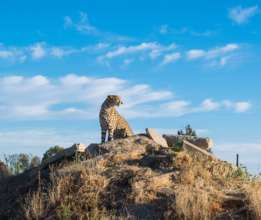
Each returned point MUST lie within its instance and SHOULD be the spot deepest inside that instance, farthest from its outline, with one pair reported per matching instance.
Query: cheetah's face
(114, 100)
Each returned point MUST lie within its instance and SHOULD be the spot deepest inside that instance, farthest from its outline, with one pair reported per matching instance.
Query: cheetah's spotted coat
(112, 121)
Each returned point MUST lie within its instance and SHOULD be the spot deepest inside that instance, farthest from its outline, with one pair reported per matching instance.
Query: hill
(132, 178)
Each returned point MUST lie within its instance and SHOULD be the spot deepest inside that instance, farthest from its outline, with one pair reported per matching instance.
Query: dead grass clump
(253, 194)
(187, 176)
(74, 196)
(192, 170)
(193, 203)
(183, 160)
(34, 206)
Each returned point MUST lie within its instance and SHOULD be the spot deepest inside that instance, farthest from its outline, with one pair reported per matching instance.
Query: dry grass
(193, 188)
(195, 204)
(253, 194)
(202, 186)
(73, 195)
(34, 206)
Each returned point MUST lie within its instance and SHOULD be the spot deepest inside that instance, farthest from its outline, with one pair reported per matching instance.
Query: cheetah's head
(114, 100)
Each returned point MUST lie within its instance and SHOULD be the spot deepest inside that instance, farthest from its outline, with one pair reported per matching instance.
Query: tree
(35, 162)
(23, 161)
(11, 163)
(18, 163)
(51, 152)
(188, 131)
(4, 172)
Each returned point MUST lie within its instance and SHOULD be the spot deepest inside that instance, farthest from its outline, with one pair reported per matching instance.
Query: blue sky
(172, 62)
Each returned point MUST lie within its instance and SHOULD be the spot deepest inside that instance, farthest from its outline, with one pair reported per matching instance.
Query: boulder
(173, 140)
(191, 148)
(68, 153)
(136, 144)
(155, 136)
(79, 147)
(204, 143)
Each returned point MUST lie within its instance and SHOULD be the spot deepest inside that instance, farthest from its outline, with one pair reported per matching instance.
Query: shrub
(51, 152)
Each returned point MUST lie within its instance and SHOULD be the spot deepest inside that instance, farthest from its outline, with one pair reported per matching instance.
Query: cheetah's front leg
(110, 135)
(103, 135)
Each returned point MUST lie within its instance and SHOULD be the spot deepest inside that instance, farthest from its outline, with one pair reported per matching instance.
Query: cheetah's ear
(110, 96)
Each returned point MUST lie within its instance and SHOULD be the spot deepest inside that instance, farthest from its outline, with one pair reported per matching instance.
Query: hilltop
(132, 178)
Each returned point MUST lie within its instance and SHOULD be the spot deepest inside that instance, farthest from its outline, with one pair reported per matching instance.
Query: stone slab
(68, 152)
(155, 136)
(195, 149)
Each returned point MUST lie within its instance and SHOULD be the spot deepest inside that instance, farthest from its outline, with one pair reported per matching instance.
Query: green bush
(51, 152)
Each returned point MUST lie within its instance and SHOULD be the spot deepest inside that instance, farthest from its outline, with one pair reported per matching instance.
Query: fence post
(237, 162)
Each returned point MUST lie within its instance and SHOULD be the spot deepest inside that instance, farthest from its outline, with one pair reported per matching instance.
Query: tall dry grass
(74, 194)
(192, 203)
(195, 189)
(253, 195)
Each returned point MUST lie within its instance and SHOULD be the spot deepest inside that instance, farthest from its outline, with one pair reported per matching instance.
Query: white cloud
(74, 96)
(60, 52)
(169, 58)
(11, 54)
(219, 56)
(41, 50)
(105, 52)
(5, 54)
(83, 25)
(195, 54)
(38, 51)
(151, 50)
(242, 15)
(35, 97)
(219, 51)
(209, 105)
(123, 50)
(212, 53)
(166, 29)
(241, 106)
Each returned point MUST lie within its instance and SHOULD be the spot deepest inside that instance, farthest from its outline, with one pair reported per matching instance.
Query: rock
(191, 148)
(173, 140)
(94, 150)
(79, 147)
(155, 136)
(204, 143)
(68, 153)
(137, 145)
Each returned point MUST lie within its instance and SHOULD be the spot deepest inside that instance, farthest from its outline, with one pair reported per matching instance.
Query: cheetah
(112, 121)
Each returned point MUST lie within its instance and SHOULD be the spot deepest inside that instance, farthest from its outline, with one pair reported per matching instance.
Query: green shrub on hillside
(51, 152)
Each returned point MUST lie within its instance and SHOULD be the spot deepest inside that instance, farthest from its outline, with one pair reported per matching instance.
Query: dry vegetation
(139, 180)
(253, 194)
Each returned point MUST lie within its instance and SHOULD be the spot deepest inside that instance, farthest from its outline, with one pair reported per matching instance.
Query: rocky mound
(133, 178)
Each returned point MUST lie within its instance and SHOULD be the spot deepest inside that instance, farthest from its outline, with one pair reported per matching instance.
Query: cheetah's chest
(108, 116)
